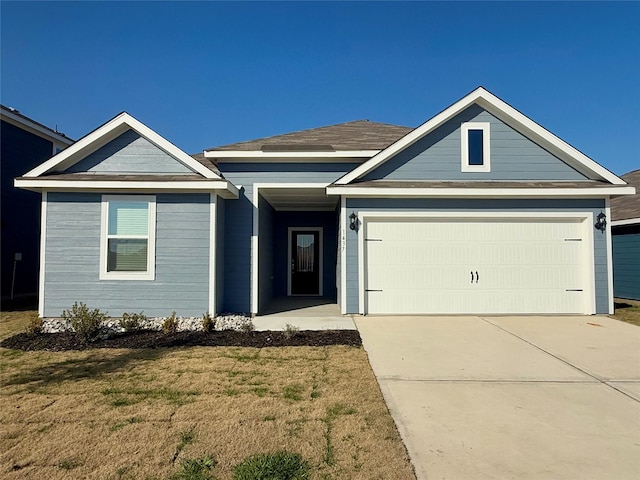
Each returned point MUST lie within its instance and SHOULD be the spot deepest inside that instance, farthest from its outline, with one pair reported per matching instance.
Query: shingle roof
(25, 118)
(357, 135)
(624, 208)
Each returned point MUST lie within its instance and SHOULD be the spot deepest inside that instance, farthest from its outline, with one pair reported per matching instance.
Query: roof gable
(506, 114)
(107, 133)
(437, 156)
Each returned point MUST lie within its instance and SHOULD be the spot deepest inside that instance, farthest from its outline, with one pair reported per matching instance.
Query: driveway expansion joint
(602, 380)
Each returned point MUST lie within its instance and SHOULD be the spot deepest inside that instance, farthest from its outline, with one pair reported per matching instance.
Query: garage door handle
(471, 276)
(477, 277)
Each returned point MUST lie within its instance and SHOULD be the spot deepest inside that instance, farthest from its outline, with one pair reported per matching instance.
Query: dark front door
(305, 262)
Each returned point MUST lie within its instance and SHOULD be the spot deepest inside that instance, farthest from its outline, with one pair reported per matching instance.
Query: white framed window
(128, 243)
(475, 147)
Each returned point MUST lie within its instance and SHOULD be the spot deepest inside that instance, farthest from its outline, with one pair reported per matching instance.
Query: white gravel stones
(226, 321)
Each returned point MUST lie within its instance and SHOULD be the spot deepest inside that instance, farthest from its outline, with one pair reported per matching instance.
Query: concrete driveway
(511, 397)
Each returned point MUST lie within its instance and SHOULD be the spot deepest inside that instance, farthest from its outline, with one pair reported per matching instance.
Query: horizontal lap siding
(73, 258)
(476, 205)
(438, 156)
(239, 217)
(626, 266)
(130, 153)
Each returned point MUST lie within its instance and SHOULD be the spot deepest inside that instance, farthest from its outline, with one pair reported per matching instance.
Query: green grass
(293, 392)
(131, 396)
(274, 466)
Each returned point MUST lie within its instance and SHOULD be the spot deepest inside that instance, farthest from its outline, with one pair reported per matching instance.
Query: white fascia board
(506, 113)
(410, 138)
(107, 132)
(627, 221)
(225, 189)
(477, 192)
(259, 155)
(35, 128)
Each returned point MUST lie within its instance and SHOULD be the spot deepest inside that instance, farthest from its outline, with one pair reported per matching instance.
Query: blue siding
(266, 252)
(182, 258)
(20, 151)
(239, 216)
(477, 205)
(437, 156)
(130, 153)
(221, 205)
(626, 265)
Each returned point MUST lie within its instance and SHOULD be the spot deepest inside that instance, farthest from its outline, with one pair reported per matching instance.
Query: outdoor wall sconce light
(353, 221)
(601, 222)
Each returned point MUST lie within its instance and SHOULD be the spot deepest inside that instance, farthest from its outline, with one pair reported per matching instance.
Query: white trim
(212, 310)
(585, 217)
(320, 260)
(343, 254)
(33, 127)
(504, 112)
(485, 127)
(607, 212)
(354, 191)
(627, 221)
(43, 246)
(227, 189)
(107, 132)
(151, 238)
(259, 155)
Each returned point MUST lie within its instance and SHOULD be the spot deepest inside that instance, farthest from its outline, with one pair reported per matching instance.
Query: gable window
(127, 246)
(475, 147)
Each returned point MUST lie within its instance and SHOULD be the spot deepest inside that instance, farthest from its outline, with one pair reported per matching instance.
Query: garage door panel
(462, 266)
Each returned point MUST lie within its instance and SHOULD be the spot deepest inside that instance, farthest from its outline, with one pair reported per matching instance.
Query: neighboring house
(24, 144)
(625, 227)
(478, 210)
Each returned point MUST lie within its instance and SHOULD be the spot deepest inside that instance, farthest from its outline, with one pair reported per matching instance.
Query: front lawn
(139, 413)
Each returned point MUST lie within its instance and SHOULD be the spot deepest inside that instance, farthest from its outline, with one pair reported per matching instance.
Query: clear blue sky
(205, 74)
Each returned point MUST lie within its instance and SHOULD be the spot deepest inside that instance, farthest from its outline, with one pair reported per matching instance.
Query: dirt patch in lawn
(136, 413)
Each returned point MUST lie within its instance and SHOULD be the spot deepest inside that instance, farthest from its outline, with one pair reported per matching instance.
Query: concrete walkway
(511, 397)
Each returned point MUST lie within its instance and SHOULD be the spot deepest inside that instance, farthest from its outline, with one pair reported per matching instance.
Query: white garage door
(414, 266)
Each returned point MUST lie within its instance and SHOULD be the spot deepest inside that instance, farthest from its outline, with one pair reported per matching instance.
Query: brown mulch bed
(57, 342)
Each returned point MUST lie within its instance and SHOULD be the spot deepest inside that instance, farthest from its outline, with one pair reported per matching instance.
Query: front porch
(296, 253)
(305, 313)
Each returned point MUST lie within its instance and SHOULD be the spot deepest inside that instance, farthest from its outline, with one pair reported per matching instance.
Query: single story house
(625, 228)
(478, 210)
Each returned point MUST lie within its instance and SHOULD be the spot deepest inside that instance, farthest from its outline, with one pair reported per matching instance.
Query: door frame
(290, 231)
(586, 218)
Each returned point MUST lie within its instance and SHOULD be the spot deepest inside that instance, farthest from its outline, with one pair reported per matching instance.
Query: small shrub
(208, 323)
(247, 326)
(170, 325)
(290, 331)
(195, 469)
(35, 325)
(267, 466)
(132, 322)
(85, 323)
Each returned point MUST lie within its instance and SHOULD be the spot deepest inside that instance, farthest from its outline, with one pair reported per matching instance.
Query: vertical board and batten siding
(626, 262)
(473, 206)
(130, 153)
(239, 216)
(73, 258)
(437, 156)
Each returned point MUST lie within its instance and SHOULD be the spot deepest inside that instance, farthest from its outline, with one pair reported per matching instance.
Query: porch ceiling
(299, 199)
